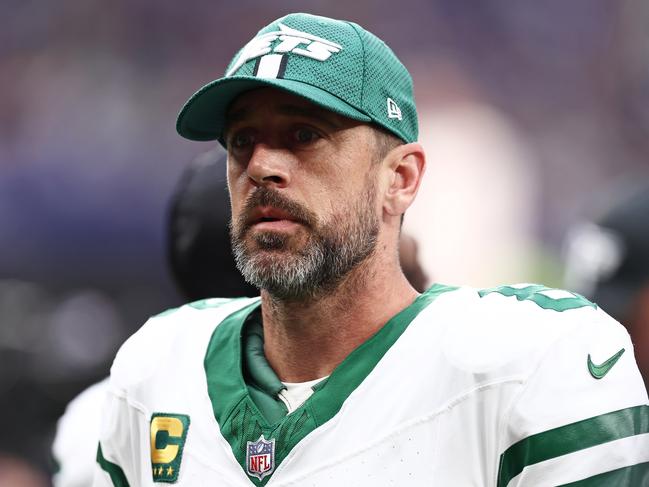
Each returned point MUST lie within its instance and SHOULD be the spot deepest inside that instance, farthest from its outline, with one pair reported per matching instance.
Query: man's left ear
(406, 165)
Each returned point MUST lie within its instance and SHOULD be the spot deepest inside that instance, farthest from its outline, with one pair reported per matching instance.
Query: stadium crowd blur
(528, 111)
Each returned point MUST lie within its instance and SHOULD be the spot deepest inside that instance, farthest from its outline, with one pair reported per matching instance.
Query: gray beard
(333, 248)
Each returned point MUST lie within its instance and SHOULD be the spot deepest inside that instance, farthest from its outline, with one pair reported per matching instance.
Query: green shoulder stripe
(634, 476)
(116, 473)
(571, 438)
(536, 293)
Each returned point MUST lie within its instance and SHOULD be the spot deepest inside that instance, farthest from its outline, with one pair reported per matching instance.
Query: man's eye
(241, 140)
(304, 135)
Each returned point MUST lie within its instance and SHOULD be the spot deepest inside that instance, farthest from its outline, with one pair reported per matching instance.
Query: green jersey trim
(263, 384)
(633, 475)
(239, 418)
(116, 474)
(571, 438)
(536, 293)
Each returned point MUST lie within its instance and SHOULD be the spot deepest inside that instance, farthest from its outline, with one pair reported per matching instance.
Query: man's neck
(306, 340)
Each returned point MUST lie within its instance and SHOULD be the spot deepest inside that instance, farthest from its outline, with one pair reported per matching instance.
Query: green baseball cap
(333, 63)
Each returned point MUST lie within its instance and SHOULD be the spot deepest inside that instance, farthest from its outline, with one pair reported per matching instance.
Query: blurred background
(530, 113)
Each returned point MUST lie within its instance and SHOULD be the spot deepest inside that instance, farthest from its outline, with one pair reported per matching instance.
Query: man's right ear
(406, 165)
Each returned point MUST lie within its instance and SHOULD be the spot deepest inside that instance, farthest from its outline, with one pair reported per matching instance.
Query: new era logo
(393, 110)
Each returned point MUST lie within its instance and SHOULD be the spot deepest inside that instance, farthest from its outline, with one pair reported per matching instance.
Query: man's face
(303, 193)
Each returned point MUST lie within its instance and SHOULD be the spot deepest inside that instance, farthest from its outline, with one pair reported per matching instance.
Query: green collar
(239, 417)
(257, 370)
(260, 378)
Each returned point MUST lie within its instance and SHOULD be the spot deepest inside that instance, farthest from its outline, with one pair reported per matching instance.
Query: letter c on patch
(173, 427)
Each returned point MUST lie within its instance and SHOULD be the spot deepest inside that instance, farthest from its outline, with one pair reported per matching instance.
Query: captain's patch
(168, 435)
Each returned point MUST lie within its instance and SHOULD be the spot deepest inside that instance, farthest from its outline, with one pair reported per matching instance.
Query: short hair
(385, 142)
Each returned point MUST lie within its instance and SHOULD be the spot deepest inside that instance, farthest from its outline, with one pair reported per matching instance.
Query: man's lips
(270, 218)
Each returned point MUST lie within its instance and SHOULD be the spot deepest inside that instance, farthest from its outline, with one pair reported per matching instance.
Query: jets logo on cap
(273, 58)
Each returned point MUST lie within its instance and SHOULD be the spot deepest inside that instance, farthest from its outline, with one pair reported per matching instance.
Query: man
(608, 260)
(341, 373)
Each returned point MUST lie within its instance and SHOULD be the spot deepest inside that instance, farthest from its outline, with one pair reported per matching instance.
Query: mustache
(275, 199)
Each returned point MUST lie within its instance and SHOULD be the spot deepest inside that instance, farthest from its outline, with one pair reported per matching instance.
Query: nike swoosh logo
(599, 371)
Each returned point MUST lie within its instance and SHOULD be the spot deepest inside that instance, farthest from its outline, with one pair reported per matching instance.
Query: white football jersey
(512, 386)
(75, 445)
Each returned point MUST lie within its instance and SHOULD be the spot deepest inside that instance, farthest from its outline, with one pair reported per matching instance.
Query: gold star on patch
(170, 471)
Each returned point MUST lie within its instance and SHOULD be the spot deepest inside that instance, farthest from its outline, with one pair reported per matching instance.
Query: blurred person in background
(607, 260)
(198, 242)
(201, 264)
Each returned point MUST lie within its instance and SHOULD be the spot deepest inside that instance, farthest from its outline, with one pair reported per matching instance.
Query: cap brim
(203, 116)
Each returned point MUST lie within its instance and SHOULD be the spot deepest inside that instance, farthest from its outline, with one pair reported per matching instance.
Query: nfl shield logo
(260, 457)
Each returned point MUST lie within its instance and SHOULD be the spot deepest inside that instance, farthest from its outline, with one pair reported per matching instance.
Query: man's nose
(269, 166)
